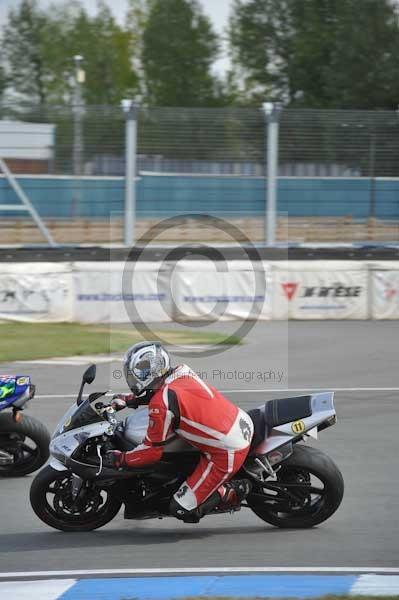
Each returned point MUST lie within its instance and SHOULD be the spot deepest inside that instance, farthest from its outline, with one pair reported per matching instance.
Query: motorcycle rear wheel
(51, 500)
(302, 503)
(28, 441)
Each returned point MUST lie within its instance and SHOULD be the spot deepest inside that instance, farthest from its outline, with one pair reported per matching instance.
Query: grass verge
(30, 341)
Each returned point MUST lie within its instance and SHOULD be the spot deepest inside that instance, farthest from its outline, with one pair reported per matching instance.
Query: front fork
(76, 486)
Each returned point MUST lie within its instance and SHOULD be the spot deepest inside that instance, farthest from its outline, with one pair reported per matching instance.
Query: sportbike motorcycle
(24, 441)
(293, 485)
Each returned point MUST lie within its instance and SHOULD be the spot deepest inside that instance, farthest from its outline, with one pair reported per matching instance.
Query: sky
(218, 11)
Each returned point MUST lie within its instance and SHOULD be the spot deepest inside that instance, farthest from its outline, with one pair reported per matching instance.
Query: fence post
(272, 114)
(372, 174)
(131, 110)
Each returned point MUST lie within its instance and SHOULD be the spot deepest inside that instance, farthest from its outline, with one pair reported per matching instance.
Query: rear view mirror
(90, 374)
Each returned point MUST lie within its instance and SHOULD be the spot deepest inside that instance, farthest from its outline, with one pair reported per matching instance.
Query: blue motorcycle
(24, 441)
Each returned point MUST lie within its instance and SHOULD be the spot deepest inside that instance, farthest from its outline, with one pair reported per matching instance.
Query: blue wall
(220, 196)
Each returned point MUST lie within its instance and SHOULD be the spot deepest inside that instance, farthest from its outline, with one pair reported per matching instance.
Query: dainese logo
(290, 289)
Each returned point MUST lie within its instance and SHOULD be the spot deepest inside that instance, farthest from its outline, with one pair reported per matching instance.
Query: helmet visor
(139, 376)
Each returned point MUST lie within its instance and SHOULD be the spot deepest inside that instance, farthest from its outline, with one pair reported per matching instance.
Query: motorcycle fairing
(14, 390)
(322, 415)
(63, 445)
(78, 416)
(66, 441)
(56, 464)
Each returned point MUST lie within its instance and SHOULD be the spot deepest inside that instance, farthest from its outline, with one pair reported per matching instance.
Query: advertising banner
(385, 294)
(116, 293)
(320, 294)
(225, 291)
(155, 292)
(36, 292)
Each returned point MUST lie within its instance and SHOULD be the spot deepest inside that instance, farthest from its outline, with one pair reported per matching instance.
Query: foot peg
(236, 491)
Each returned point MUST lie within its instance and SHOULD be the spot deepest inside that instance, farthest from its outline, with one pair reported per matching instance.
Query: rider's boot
(195, 515)
(230, 494)
(234, 492)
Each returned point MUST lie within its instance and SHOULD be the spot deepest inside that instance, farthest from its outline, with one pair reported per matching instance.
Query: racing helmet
(144, 365)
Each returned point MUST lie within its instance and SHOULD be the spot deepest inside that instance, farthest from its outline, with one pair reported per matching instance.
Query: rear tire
(14, 436)
(306, 461)
(96, 513)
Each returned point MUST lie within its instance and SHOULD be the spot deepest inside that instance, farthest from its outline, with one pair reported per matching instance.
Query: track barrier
(156, 292)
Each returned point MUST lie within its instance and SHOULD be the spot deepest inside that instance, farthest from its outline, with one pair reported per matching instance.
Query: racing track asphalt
(364, 443)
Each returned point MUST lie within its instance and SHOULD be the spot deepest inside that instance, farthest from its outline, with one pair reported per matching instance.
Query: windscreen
(77, 416)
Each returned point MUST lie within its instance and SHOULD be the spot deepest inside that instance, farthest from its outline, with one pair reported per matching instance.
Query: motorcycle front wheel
(26, 442)
(308, 490)
(52, 501)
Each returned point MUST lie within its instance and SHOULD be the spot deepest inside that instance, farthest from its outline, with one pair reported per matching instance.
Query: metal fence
(333, 174)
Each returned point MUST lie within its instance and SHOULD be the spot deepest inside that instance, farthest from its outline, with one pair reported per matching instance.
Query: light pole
(272, 114)
(80, 78)
(130, 109)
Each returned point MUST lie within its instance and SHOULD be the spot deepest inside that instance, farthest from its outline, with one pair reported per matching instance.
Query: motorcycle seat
(278, 412)
(285, 410)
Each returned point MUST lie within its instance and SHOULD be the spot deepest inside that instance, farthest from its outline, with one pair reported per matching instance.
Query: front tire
(302, 503)
(51, 499)
(27, 441)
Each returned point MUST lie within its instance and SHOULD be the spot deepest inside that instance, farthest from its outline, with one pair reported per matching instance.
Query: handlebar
(107, 412)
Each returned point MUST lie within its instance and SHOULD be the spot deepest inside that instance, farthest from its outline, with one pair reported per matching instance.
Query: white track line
(199, 570)
(47, 396)
(265, 391)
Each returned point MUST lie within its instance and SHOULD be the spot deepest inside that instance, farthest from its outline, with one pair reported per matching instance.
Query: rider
(180, 403)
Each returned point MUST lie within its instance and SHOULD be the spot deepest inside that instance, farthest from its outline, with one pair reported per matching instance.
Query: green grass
(30, 341)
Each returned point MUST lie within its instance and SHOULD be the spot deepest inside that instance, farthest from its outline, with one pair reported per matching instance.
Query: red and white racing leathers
(202, 416)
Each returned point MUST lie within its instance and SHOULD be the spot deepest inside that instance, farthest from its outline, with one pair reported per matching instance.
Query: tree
(38, 47)
(317, 53)
(179, 47)
(23, 50)
(3, 82)
(136, 20)
(105, 47)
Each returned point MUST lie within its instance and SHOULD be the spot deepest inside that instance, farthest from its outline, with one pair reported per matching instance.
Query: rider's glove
(118, 403)
(129, 400)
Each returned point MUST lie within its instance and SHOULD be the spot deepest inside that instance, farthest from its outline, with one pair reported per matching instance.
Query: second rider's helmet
(145, 364)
